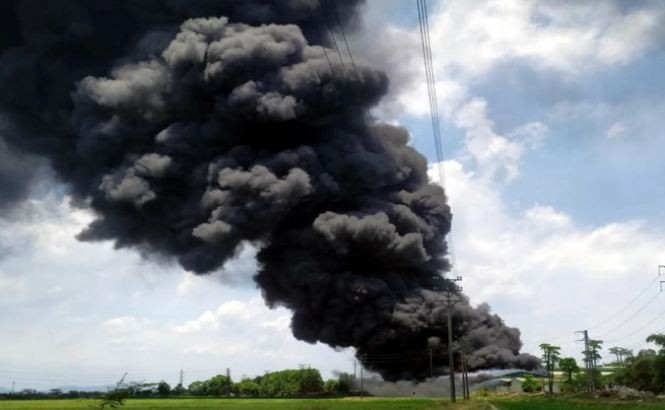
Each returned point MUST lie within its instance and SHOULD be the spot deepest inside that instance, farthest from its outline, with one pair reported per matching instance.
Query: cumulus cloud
(518, 258)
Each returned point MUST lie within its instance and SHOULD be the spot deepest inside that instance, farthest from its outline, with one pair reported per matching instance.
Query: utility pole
(464, 348)
(588, 365)
(355, 376)
(181, 378)
(452, 298)
(362, 379)
(431, 364)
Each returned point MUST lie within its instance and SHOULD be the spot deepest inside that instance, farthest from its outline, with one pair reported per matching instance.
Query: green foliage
(240, 404)
(579, 381)
(163, 388)
(332, 386)
(285, 383)
(569, 366)
(550, 358)
(530, 384)
(621, 354)
(114, 398)
(646, 371)
(291, 383)
(557, 402)
(197, 388)
(247, 388)
(342, 385)
(178, 390)
(219, 385)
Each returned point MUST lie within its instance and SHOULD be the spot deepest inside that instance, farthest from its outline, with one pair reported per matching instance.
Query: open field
(236, 404)
(560, 403)
(514, 403)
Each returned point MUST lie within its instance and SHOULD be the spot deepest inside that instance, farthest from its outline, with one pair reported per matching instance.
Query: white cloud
(617, 130)
(125, 324)
(470, 39)
(521, 260)
(234, 313)
(567, 110)
(496, 156)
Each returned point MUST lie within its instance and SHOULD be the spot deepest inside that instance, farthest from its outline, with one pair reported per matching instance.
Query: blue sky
(580, 216)
(552, 116)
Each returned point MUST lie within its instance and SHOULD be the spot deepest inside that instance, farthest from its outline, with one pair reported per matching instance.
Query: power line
(323, 47)
(423, 20)
(631, 316)
(325, 53)
(341, 29)
(643, 342)
(661, 272)
(620, 311)
(452, 292)
(332, 39)
(661, 314)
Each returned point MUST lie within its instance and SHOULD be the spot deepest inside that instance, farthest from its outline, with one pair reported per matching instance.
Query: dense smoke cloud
(193, 128)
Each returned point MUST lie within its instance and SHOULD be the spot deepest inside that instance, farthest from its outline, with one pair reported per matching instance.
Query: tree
(178, 390)
(621, 354)
(617, 352)
(247, 388)
(114, 398)
(594, 356)
(646, 370)
(659, 361)
(530, 384)
(332, 386)
(198, 388)
(341, 385)
(163, 388)
(659, 340)
(595, 346)
(219, 385)
(569, 366)
(550, 358)
(291, 383)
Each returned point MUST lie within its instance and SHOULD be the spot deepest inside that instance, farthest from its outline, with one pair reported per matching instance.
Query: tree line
(284, 383)
(644, 371)
(304, 382)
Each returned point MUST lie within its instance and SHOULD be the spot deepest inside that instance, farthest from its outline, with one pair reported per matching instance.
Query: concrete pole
(451, 356)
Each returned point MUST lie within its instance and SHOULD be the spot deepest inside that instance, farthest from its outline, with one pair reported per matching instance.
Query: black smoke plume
(195, 127)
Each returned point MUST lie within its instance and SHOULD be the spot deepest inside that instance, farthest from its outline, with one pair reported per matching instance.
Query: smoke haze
(194, 128)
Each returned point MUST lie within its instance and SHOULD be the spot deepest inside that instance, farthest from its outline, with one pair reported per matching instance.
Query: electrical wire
(425, 40)
(631, 316)
(626, 306)
(341, 29)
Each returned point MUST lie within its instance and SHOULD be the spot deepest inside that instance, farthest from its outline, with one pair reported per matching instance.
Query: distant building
(511, 382)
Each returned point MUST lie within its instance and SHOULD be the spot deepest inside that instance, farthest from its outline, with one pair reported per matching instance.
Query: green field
(516, 403)
(560, 403)
(233, 404)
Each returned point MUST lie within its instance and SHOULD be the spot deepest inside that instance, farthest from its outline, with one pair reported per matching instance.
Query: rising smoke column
(194, 128)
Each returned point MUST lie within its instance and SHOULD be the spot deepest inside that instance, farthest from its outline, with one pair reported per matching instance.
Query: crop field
(234, 404)
(515, 403)
(546, 403)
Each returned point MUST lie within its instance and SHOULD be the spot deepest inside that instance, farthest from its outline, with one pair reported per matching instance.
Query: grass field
(235, 404)
(515, 403)
(560, 403)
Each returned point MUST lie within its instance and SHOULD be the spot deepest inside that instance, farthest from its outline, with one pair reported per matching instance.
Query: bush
(530, 384)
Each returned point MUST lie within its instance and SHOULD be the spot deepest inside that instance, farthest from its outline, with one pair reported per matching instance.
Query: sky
(551, 120)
